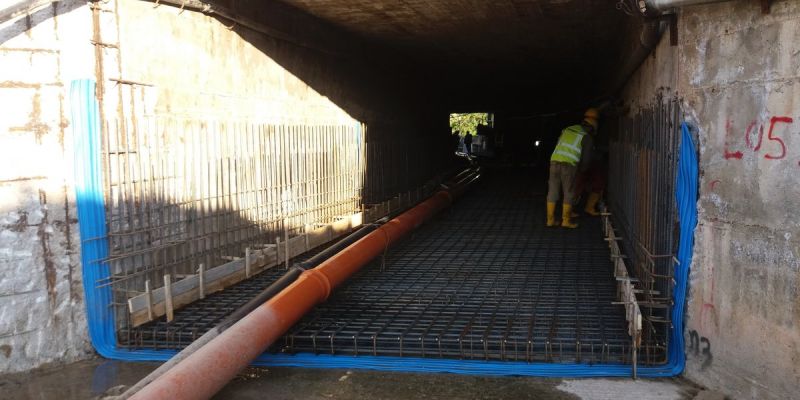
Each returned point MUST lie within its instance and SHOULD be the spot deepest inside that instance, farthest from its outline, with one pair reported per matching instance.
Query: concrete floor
(90, 379)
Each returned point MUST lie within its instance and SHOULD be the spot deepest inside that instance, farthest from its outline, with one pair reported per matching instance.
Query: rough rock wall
(42, 316)
(741, 79)
(738, 74)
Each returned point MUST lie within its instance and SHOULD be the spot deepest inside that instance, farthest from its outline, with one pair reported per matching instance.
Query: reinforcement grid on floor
(485, 280)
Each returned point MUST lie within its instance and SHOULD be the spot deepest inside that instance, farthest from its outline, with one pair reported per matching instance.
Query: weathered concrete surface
(41, 297)
(741, 71)
(200, 69)
(627, 389)
(738, 73)
(90, 379)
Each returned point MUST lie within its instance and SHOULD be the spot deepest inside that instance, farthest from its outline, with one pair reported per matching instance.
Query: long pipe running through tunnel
(210, 368)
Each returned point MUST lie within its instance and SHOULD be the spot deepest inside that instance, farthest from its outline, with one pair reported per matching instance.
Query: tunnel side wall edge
(737, 74)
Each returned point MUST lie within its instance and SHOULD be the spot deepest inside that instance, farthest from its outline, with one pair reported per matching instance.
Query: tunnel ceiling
(500, 54)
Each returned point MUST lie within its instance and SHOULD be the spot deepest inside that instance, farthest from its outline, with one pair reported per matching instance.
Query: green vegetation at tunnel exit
(467, 122)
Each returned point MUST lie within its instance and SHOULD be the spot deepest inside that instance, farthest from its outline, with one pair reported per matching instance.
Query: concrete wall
(198, 68)
(738, 73)
(41, 297)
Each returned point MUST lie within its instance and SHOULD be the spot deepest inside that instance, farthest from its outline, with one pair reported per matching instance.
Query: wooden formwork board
(148, 306)
(626, 291)
(151, 305)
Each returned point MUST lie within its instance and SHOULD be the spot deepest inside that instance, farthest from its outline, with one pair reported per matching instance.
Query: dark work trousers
(562, 178)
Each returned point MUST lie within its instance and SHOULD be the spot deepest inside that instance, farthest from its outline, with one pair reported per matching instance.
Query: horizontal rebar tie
(486, 281)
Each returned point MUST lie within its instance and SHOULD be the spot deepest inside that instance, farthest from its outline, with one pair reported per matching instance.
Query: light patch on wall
(721, 205)
(765, 253)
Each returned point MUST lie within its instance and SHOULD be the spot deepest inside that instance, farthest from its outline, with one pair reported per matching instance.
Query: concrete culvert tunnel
(365, 185)
(485, 281)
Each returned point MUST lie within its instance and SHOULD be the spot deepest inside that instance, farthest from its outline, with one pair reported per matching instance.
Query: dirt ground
(93, 378)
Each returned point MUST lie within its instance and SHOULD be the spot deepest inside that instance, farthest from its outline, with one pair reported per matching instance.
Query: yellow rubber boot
(591, 204)
(551, 214)
(566, 216)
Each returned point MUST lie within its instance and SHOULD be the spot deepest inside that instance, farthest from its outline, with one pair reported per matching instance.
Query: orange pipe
(210, 368)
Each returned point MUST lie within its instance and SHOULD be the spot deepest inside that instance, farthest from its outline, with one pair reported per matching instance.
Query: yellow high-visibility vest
(568, 149)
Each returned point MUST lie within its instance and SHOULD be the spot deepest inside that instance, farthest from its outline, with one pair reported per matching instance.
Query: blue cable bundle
(686, 198)
(86, 130)
(91, 213)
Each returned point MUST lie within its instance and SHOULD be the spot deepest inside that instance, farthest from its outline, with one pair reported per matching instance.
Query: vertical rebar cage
(642, 173)
(399, 163)
(182, 192)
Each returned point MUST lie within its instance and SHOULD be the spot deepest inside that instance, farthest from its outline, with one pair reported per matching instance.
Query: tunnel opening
(203, 213)
(473, 133)
(489, 281)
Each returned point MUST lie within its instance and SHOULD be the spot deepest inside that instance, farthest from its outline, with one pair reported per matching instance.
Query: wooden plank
(184, 299)
(247, 262)
(287, 252)
(192, 282)
(168, 297)
(215, 279)
(201, 275)
(148, 299)
(319, 236)
(626, 290)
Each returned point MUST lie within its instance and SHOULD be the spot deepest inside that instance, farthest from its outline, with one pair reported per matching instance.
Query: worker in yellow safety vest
(571, 154)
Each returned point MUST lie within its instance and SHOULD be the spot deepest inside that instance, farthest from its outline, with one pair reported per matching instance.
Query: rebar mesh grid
(400, 161)
(183, 192)
(486, 280)
(196, 319)
(642, 171)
